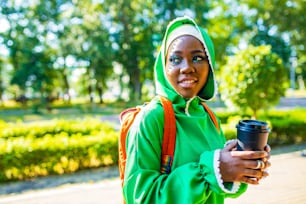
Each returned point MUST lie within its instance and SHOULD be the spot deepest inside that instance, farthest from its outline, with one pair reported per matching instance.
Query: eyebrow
(193, 51)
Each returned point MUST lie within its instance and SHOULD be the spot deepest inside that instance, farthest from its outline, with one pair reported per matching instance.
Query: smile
(188, 81)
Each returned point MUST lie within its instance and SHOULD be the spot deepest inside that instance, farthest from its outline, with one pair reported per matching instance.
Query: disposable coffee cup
(252, 135)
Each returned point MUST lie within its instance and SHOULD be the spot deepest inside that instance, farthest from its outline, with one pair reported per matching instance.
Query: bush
(52, 127)
(35, 149)
(260, 79)
(287, 127)
(66, 146)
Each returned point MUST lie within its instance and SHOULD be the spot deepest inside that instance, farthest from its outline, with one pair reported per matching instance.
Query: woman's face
(187, 66)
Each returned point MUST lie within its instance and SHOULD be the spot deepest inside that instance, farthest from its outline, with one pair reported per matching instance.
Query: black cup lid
(253, 124)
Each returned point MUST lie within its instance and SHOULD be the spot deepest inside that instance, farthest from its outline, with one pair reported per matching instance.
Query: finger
(267, 148)
(265, 159)
(250, 154)
(230, 145)
(249, 180)
(255, 180)
(249, 164)
(265, 174)
(258, 174)
(258, 164)
(267, 164)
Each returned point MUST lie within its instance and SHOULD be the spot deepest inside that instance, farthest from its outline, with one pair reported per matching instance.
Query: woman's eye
(199, 58)
(175, 60)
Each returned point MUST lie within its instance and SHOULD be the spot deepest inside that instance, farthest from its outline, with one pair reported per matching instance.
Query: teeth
(188, 81)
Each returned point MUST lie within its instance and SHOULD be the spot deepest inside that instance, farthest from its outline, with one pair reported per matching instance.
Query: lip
(182, 80)
(188, 82)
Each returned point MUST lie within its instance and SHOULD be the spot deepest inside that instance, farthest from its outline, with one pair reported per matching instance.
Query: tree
(278, 45)
(1, 81)
(284, 19)
(254, 78)
(98, 34)
(93, 45)
(29, 52)
(133, 35)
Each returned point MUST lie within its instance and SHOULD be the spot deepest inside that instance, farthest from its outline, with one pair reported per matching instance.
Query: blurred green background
(68, 67)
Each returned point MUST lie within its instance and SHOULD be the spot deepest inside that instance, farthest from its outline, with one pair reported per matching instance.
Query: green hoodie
(194, 176)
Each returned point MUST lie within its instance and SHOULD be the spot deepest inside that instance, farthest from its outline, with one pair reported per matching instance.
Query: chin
(187, 93)
(188, 96)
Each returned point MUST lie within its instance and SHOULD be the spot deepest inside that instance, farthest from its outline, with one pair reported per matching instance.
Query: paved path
(103, 192)
(286, 185)
(286, 102)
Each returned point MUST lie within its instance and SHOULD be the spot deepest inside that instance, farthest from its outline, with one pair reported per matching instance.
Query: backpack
(127, 118)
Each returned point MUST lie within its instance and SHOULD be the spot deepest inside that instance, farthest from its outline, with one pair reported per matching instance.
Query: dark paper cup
(252, 135)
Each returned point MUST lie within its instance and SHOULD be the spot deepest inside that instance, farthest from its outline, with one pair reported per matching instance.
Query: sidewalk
(285, 185)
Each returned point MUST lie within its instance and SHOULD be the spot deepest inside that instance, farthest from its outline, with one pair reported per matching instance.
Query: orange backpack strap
(128, 116)
(211, 115)
(169, 137)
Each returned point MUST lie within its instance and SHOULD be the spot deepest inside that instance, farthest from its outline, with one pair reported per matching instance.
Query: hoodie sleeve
(193, 182)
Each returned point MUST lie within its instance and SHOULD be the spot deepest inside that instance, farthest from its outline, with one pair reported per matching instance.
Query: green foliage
(48, 40)
(286, 16)
(53, 127)
(55, 147)
(254, 78)
(287, 126)
(33, 149)
(278, 45)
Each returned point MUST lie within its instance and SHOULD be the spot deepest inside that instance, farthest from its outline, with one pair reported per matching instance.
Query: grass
(59, 111)
(11, 111)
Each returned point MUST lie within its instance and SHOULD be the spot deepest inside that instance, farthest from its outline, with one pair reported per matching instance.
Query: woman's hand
(242, 166)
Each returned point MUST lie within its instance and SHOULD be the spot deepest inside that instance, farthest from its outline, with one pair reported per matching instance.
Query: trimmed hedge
(34, 149)
(67, 146)
(287, 126)
(52, 127)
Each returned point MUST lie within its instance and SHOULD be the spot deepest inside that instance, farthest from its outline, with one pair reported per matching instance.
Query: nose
(186, 67)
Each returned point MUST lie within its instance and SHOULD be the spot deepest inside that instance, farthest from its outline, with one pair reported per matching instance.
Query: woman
(204, 170)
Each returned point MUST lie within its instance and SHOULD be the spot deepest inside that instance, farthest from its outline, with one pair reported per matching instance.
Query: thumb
(230, 145)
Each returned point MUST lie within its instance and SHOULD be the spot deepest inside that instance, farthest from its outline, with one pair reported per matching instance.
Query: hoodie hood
(163, 86)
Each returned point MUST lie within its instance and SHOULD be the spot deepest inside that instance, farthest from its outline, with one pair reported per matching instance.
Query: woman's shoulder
(153, 109)
(151, 117)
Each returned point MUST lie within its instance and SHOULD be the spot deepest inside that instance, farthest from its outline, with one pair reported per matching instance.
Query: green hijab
(163, 87)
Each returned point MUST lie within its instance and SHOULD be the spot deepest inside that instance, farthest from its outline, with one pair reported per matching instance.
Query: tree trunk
(1, 89)
(100, 92)
(135, 84)
(121, 87)
(66, 83)
(90, 93)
